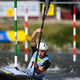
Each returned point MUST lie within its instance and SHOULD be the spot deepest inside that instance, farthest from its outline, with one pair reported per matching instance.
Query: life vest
(40, 61)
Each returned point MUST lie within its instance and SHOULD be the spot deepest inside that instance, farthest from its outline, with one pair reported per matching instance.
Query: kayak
(15, 77)
(11, 73)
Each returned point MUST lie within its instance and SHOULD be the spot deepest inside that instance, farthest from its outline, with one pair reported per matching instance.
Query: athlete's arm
(33, 37)
(44, 67)
(40, 70)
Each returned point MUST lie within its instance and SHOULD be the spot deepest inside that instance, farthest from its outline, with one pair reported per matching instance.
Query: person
(43, 60)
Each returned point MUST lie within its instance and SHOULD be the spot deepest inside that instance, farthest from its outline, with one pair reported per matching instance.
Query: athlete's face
(41, 53)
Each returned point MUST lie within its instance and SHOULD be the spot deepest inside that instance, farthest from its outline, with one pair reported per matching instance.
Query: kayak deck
(15, 77)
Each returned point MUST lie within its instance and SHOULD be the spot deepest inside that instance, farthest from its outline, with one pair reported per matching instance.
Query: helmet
(43, 46)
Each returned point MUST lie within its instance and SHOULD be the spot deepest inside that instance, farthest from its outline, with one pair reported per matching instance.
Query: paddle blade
(47, 4)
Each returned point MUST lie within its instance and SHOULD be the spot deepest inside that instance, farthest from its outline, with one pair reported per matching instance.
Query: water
(62, 65)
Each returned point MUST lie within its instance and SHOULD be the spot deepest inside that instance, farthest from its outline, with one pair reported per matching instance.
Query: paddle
(47, 4)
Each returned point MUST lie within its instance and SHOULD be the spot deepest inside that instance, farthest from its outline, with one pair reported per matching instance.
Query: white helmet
(43, 46)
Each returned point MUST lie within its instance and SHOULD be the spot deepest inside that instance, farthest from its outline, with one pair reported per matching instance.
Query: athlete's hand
(35, 65)
(39, 30)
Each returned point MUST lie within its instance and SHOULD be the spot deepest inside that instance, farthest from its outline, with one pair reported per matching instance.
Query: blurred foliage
(58, 34)
(64, 36)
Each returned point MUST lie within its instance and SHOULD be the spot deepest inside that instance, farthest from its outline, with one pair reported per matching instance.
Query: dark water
(62, 65)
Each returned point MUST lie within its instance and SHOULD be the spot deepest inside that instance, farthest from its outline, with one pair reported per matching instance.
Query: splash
(54, 69)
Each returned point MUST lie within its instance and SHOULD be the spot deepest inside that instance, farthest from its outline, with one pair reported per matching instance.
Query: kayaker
(43, 60)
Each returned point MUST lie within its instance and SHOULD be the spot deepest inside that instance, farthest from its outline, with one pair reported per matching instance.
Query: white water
(61, 61)
(23, 68)
(53, 69)
(72, 79)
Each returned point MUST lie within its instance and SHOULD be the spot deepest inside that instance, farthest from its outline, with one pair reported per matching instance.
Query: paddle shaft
(47, 4)
(40, 37)
(39, 41)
